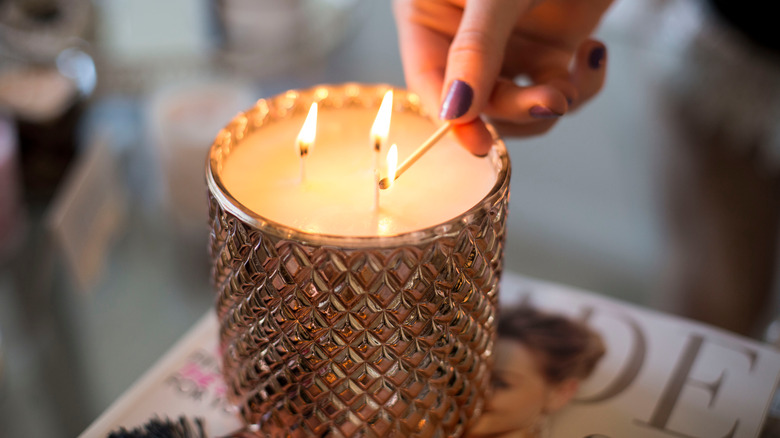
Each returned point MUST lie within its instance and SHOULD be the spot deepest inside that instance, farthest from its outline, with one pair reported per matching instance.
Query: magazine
(660, 376)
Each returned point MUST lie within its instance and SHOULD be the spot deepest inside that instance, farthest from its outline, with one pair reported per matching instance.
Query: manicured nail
(542, 112)
(457, 101)
(596, 57)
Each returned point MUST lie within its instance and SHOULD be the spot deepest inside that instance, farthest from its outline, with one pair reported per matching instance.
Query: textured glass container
(354, 336)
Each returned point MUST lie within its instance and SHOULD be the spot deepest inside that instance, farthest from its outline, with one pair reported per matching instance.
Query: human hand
(467, 53)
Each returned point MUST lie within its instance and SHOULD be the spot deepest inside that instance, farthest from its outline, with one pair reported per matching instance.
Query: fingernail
(596, 57)
(542, 112)
(457, 101)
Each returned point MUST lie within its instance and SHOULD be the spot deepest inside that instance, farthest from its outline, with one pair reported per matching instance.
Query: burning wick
(391, 163)
(379, 131)
(305, 141)
(387, 181)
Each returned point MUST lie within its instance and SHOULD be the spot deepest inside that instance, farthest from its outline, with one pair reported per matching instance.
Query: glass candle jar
(322, 334)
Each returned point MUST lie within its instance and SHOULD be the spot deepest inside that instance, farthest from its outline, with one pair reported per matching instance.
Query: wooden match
(385, 183)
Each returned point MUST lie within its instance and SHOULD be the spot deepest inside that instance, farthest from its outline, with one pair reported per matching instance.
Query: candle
(336, 317)
(337, 197)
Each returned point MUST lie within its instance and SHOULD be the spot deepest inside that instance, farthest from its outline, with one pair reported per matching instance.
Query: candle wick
(377, 153)
(303, 166)
(306, 138)
(376, 190)
(377, 165)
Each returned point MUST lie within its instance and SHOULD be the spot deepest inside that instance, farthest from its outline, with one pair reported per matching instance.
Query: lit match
(387, 181)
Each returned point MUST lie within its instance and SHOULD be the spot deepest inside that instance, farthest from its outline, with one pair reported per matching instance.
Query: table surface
(66, 354)
(186, 380)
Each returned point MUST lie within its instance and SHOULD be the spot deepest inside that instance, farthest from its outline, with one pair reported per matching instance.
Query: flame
(381, 126)
(392, 164)
(306, 136)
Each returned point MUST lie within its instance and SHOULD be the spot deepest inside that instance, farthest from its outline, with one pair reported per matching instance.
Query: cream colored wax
(337, 197)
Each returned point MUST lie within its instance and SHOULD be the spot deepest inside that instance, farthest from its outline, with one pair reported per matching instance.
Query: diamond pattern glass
(354, 336)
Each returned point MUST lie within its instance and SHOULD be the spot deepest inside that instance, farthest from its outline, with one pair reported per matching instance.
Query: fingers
(507, 129)
(512, 103)
(558, 77)
(458, 76)
(590, 70)
(475, 56)
(521, 111)
(474, 136)
(515, 111)
(424, 46)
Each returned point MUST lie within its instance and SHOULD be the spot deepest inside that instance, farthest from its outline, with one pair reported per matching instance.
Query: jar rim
(246, 122)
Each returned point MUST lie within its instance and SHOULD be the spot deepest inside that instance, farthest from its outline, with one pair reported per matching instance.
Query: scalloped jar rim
(240, 126)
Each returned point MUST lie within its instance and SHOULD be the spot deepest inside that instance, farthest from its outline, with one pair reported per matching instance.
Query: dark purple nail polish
(457, 101)
(542, 112)
(596, 57)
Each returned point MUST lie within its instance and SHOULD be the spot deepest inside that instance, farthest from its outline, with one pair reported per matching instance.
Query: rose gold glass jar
(354, 336)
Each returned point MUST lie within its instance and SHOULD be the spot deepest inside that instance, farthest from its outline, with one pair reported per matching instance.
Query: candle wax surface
(262, 172)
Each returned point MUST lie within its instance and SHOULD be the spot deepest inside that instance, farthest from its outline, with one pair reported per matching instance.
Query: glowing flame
(381, 126)
(306, 136)
(392, 164)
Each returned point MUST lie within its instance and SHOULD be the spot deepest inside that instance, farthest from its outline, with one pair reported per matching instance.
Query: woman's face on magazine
(520, 392)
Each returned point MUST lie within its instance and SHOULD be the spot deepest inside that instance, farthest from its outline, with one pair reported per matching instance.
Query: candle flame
(306, 136)
(381, 126)
(392, 164)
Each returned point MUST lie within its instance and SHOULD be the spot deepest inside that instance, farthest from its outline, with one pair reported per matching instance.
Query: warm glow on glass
(381, 126)
(306, 136)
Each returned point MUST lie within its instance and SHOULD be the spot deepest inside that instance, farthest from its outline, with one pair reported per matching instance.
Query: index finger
(476, 55)
(424, 42)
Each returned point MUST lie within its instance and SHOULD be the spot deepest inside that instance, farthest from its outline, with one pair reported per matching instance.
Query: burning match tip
(384, 183)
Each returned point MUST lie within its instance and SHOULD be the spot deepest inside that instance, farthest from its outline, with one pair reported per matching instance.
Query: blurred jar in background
(183, 120)
(45, 78)
(46, 108)
(260, 38)
(11, 209)
(721, 177)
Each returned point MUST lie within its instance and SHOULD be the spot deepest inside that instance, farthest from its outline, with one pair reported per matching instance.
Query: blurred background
(107, 109)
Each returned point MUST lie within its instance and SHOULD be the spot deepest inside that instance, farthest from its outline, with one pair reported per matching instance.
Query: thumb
(475, 56)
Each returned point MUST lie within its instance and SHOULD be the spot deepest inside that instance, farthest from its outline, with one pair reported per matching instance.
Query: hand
(467, 53)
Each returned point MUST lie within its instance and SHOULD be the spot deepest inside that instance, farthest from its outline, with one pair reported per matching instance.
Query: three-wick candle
(337, 196)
